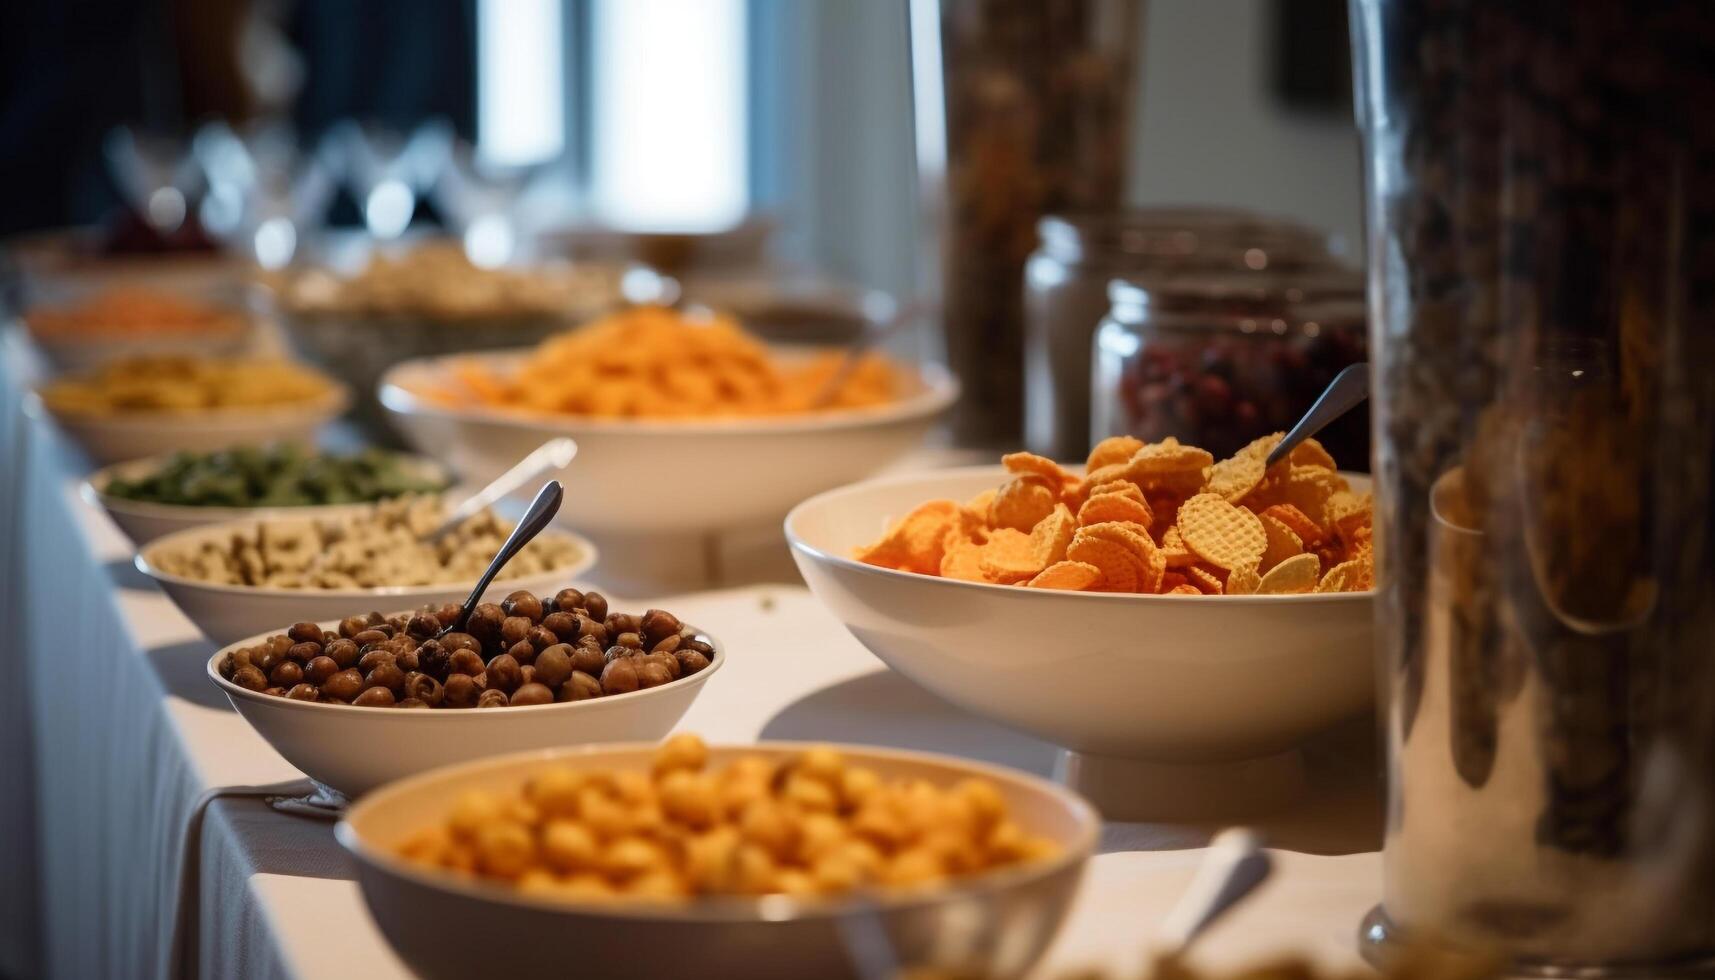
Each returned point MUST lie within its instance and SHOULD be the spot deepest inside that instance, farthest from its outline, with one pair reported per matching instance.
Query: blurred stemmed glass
(387, 172)
(155, 176)
(264, 196)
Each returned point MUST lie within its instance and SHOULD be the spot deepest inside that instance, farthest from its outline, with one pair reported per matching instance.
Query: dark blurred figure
(71, 70)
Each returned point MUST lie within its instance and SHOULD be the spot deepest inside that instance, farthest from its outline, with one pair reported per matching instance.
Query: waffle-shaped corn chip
(1221, 534)
(1068, 576)
(1341, 578)
(1120, 569)
(1021, 503)
(1308, 531)
(1185, 590)
(1262, 446)
(1364, 579)
(1114, 449)
(1008, 557)
(1152, 564)
(1030, 464)
(1347, 512)
(915, 542)
(1124, 488)
(1300, 573)
(1360, 545)
(978, 507)
(1308, 488)
(1243, 581)
(961, 558)
(1115, 507)
(1310, 453)
(1282, 542)
(1051, 535)
(1233, 478)
(1204, 580)
(1173, 549)
(1169, 459)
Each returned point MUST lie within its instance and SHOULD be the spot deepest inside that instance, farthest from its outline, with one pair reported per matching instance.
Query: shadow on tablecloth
(126, 576)
(183, 670)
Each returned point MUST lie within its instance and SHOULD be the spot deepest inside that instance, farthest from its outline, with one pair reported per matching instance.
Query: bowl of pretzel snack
(1155, 611)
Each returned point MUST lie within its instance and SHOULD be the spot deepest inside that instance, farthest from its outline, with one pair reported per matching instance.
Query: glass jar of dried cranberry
(1217, 361)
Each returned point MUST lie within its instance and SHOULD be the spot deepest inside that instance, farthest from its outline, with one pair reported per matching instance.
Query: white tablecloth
(114, 734)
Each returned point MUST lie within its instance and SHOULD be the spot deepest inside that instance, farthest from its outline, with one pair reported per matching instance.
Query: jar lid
(1184, 239)
(1326, 296)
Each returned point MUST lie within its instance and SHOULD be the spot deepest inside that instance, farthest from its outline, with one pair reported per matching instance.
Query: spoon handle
(1346, 392)
(551, 455)
(542, 510)
(1236, 864)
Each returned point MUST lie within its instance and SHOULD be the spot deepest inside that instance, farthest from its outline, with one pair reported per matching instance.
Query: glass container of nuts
(1219, 360)
(1543, 259)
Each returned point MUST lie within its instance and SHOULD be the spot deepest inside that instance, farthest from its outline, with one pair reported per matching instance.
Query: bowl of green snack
(152, 497)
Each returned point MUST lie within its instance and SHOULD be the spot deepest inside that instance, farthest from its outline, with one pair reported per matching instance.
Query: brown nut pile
(805, 825)
(523, 651)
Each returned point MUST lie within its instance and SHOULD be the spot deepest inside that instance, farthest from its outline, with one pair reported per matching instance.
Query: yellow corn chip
(1299, 573)
(1112, 450)
(1282, 542)
(1070, 576)
(1221, 534)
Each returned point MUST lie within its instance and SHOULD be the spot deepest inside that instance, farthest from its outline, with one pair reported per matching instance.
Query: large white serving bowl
(114, 438)
(995, 924)
(1169, 704)
(144, 521)
(351, 750)
(646, 476)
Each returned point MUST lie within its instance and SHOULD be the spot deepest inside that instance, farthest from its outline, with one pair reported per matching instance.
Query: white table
(91, 871)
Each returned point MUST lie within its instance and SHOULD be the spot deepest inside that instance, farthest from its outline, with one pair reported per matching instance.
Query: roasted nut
(300, 653)
(617, 652)
(484, 623)
(632, 640)
(541, 638)
(619, 676)
(250, 678)
(587, 656)
(409, 660)
(492, 698)
(564, 626)
(370, 635)
(447, 613)
(459, 641)
(596, 605)
(376, 658)
(424, 688)
(286, 673)
(374, 697)
(386, 675)
(526, 675)
(700, 645)
(345, 685)
(567, 600)
(658, 624)
(344, 652)
(423, 626)
(304, 692)
(467, 662)
(266, 660)
(652, 675)
(352, 625)
(618, 623)
(690, 661)
(280, 643)
(528, 694)
(522, 652)
(523, 603)
(304, 633)
(667, 660)
(590, 628)
(581, 687)
(460, 691)
(668, 644)
(274, 692)
(554, 665)
(503, 674)
(318, 670)
(234, 660)
(513, 629)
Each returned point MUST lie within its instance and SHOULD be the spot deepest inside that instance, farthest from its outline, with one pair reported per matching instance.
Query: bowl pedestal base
(1140, 790)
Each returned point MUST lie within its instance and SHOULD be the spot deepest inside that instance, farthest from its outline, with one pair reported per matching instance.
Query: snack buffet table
(112, 853)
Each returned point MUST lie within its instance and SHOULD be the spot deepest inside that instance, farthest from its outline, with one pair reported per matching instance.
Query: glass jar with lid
(1066, 283)
(1218, 362)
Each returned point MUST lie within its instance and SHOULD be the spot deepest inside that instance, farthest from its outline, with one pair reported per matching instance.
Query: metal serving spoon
(542, 510)
(551, 455)
(1346, 392)
(861, 345)
(1233, 868)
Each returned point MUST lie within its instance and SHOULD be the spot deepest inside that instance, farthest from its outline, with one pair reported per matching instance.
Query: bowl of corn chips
(684, 422)
(1162, 615)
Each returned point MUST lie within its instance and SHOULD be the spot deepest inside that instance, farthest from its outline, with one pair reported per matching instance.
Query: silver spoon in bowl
(537, 517)
(551, 455)
(1346, 392)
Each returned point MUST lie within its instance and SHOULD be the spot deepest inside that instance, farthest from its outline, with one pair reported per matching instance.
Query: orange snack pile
(811, 824)
(653, 362)
(131, 311)
(1157, 518)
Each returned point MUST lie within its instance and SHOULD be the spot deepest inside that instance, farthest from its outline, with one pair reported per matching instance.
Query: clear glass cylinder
(1541, 183)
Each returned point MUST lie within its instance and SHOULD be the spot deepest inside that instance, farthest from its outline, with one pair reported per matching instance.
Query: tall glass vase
(1541, 180)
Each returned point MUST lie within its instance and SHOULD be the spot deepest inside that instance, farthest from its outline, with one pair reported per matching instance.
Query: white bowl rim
(93, 489)
(333, 403)
(586, 561)
(847, 563)
(721, 908)
(234, 691)
(940, 391)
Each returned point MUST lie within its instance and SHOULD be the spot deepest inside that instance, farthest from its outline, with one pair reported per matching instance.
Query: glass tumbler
(1541, 181)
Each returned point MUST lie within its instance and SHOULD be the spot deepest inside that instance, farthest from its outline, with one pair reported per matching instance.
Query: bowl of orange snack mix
(126, 321)
(684, 421)
(1154, 611)
(748, 861)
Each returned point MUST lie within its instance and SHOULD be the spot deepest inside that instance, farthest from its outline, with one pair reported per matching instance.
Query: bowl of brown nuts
(235, 578)
(359, 701)
(774, 860)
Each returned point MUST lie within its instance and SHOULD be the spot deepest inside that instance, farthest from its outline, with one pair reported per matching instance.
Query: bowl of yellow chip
(684, 423)
(149, 406)
(1179, 625)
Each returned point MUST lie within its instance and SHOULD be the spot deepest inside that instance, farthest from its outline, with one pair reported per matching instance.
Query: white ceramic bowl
(990, 925)
(144, 521)
(1150, 693)
(225, 613)
(636, 476)
(113, 438)
(352, 750)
